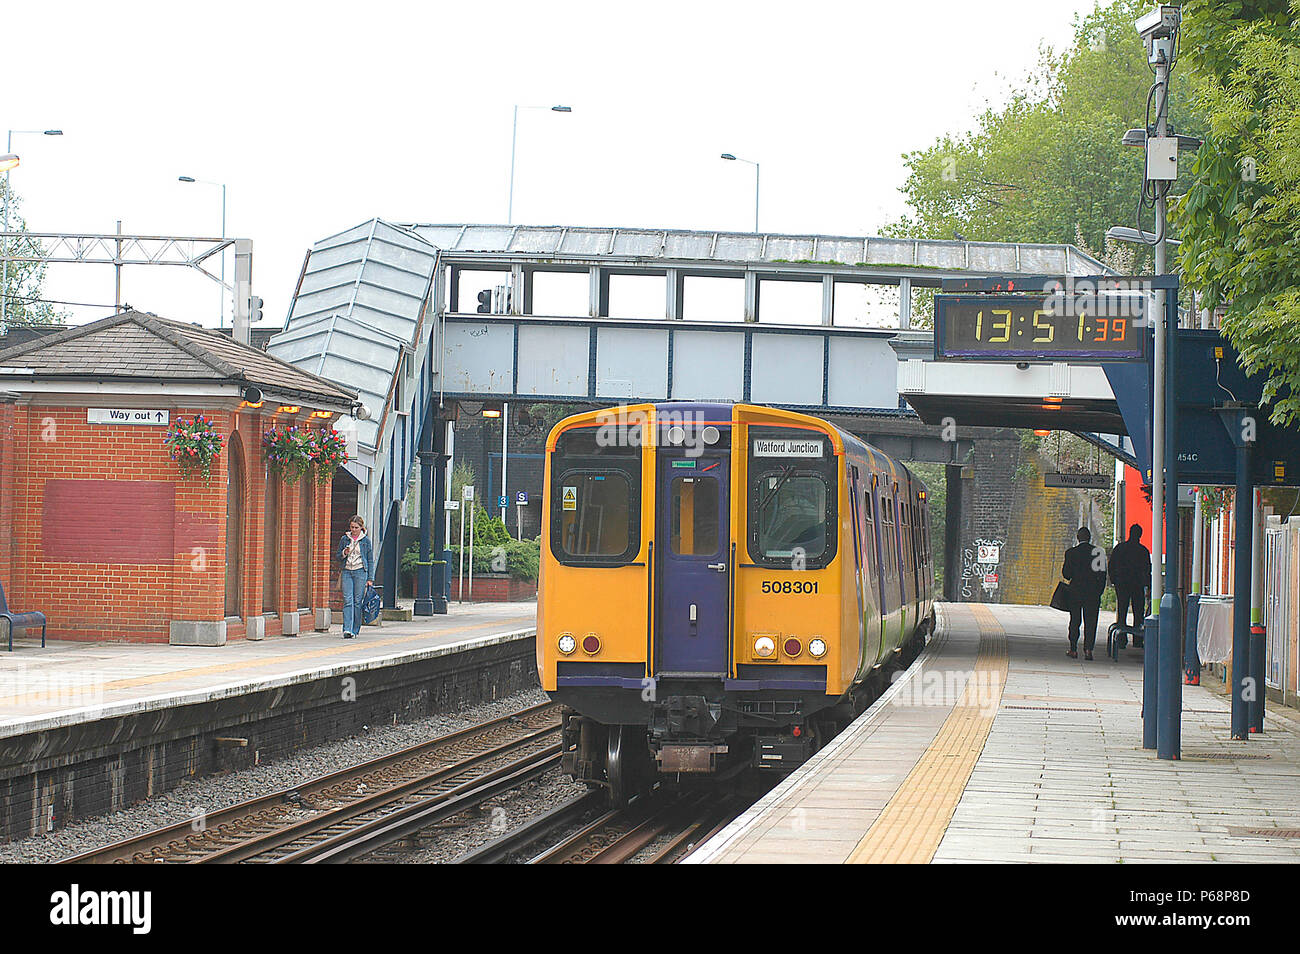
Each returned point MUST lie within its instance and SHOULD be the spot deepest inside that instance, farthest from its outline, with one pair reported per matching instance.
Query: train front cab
(706, 594)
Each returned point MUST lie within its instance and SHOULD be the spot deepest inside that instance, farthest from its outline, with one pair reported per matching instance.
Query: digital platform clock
(1041, 327)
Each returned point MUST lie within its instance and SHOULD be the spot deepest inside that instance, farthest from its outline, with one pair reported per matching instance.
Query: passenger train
(722, 587)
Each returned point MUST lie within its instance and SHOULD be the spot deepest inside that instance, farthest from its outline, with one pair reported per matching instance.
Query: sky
(318, 116)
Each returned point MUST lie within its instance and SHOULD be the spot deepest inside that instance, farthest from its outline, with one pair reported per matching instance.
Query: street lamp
(727, 155)
(514, 138)
(221, 298)
(7, 162)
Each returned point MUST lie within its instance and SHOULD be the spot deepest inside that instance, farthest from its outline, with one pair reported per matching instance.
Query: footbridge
(391, 310)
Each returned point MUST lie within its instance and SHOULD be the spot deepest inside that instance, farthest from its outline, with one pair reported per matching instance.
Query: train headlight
(567, 643)
(764, 647)
(591, 644)
(817, 647)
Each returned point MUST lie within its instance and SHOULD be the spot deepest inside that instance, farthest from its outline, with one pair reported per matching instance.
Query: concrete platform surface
(997, 747)
(72, 682)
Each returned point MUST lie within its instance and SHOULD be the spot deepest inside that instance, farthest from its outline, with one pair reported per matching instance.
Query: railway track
(658, 829)
(346, 814)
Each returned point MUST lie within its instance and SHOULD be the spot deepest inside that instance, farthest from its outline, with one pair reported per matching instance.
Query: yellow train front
(722, 586)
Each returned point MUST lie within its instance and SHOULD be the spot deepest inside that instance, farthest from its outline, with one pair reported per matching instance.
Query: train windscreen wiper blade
(785, 475)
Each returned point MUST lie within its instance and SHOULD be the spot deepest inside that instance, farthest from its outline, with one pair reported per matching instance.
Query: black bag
(1061, 597)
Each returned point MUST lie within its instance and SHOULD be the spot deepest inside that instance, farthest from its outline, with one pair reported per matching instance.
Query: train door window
(694, 514)
(888, 545)
(594, 517)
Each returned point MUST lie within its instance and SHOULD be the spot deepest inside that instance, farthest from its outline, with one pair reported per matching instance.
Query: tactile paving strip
(911, 825)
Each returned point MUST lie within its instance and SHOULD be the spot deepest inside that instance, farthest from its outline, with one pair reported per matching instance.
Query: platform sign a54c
(1086, 329)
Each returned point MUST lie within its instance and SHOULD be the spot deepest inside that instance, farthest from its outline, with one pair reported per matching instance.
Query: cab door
(694, 573)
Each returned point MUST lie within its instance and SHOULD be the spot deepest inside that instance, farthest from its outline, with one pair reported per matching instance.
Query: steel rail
(189, 837)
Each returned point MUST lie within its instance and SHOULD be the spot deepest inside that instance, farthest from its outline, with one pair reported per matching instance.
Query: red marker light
(796, 732)
(591, 644)
(793, 647)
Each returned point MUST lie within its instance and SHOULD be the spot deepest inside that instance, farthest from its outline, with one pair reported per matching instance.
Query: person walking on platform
(358, 558)
(1130, 571)
(1085, 570)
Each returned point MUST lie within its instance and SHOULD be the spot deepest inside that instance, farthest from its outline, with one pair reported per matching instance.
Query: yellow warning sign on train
(570, 498)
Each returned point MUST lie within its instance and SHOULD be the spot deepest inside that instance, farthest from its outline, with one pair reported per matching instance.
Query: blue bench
(20, 619)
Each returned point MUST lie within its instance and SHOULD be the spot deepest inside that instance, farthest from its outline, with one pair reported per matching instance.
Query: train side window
(694, 516)
(594, 518)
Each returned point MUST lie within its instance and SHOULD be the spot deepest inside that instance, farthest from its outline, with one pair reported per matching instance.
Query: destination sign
(787, 447)
(1111, 327)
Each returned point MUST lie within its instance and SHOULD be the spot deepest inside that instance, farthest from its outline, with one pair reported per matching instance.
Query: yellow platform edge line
(910, 827)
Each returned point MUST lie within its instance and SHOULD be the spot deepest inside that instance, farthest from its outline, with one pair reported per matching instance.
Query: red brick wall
(494, 589)
(103, 534)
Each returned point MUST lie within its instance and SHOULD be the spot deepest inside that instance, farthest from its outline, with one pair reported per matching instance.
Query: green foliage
(1239, 220)
(520, 558)
(489, 531)
(1048, 166)
(23, 287)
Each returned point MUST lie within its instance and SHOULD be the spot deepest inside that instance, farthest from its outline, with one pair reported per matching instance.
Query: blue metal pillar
(1150, 679)
(439, 575)
(1169, 732)
(423, 577)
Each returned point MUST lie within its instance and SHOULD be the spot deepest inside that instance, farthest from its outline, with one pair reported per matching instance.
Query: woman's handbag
(371, 605)
(1061, 597)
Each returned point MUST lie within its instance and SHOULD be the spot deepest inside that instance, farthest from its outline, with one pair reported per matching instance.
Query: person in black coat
(1085, 570)
(1130, 571)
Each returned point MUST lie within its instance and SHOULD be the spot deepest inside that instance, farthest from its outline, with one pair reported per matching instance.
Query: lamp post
(514, 139)
(221, 298)
(727, 155)
(7, 162)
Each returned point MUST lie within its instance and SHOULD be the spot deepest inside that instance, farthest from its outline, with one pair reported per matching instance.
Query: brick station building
(100, 530)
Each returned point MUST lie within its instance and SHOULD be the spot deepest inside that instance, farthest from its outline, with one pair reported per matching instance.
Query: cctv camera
(1159, 23)
(361, 412)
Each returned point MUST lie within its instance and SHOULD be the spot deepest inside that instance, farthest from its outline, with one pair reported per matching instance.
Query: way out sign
(128, 415)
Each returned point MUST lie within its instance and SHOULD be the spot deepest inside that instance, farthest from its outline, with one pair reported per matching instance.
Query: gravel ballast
(198, 796)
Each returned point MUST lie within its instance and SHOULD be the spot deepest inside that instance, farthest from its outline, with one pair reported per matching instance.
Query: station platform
(997, 747)
(73, 682)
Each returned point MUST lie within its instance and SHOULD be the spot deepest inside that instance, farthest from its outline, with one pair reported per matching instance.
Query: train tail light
(793, 647)
(591, 644)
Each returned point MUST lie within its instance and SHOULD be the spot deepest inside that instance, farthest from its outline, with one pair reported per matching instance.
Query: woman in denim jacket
(358, 558)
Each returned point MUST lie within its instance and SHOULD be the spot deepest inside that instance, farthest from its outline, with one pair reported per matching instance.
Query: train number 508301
(789, 586)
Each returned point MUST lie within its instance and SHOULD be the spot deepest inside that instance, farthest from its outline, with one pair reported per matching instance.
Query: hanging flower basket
(194, 445)
(331, 452)
(290, 451)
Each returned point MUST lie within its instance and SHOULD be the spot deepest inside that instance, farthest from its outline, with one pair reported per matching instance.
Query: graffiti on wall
(980, 567)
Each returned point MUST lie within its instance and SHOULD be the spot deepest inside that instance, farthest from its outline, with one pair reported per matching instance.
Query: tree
(1048, 166)
(1239, 220)
(23, 284)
